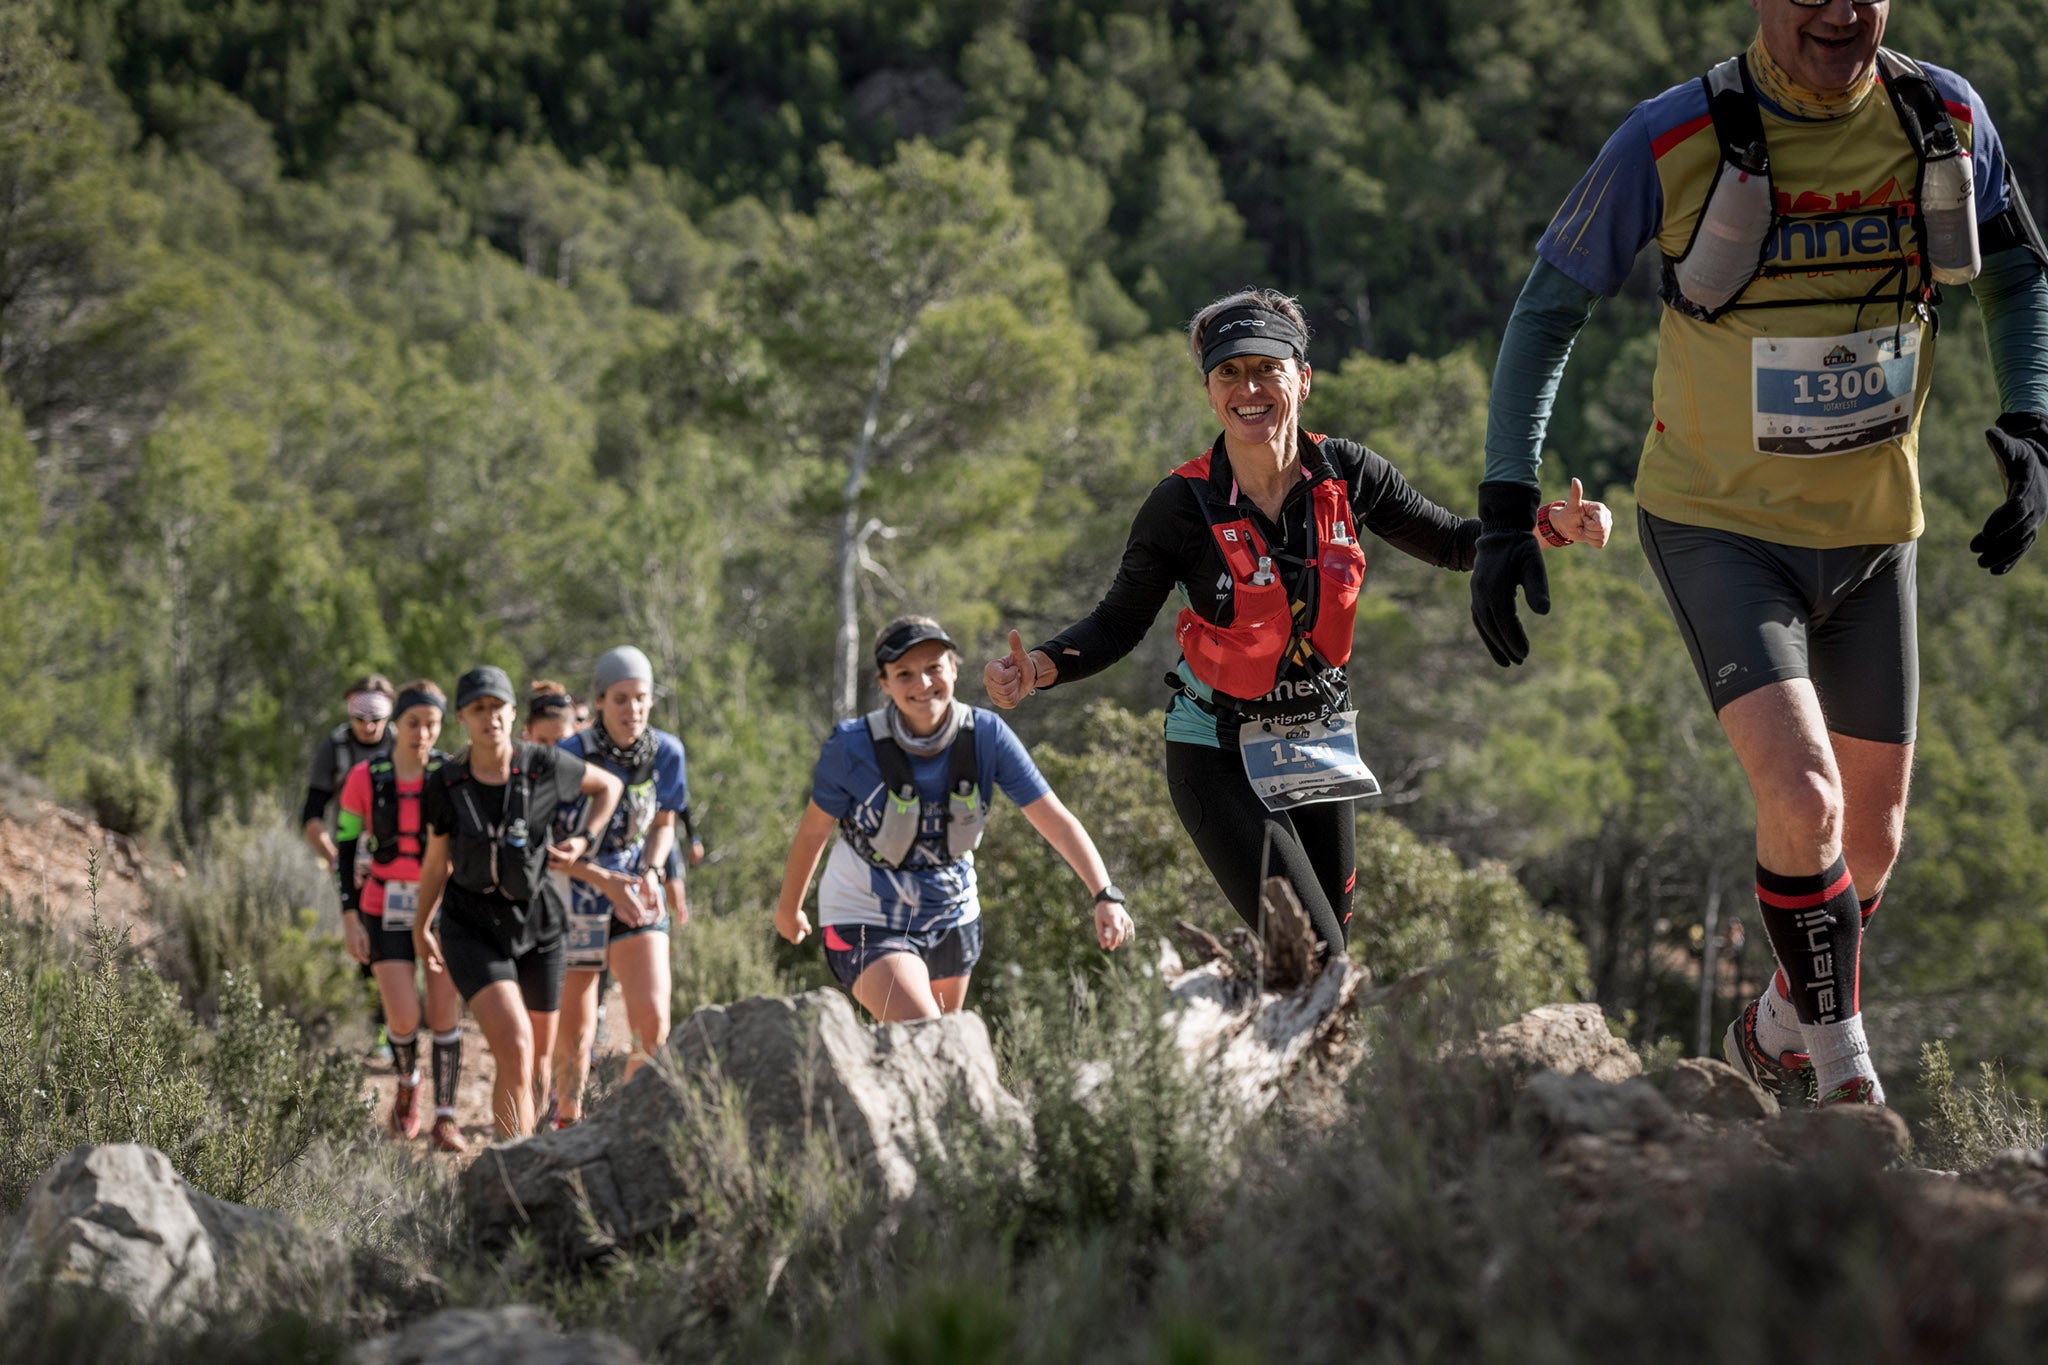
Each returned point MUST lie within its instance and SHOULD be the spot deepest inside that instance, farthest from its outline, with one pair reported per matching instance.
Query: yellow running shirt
(1799, 422)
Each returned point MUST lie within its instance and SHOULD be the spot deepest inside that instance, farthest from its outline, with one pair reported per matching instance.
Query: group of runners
(513, 877)
(1808, 197)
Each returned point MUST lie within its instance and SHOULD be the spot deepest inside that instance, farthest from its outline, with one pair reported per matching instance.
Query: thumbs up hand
(1011, 679)
(1582, 519)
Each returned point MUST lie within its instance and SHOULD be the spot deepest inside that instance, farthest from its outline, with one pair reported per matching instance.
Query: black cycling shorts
(475, 960)
(851, 949)
(387, 945)
(1754, 612)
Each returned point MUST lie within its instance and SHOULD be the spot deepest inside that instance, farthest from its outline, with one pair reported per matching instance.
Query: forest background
(338, 336)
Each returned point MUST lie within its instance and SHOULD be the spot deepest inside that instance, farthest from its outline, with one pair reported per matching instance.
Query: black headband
(547, 703)
(412, 697)
(1250, 329)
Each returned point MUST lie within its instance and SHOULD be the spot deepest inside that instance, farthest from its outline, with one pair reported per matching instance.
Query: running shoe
(405, 1111)
(1855, 1090)
(1785, 1078)
(446, 1136)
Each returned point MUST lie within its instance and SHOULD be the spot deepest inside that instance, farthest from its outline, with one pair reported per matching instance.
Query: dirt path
(473, 1094)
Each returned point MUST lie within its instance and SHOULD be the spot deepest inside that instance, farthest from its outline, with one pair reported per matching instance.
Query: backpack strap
(1922, 111)
(902, 810)
(2015, 227)
(965, 819)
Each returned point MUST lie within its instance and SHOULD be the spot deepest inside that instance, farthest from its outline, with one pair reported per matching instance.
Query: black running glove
(2020, 441)
(1508, 558)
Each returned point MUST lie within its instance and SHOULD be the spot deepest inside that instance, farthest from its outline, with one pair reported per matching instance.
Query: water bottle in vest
(1728, 247)
(1948, 211)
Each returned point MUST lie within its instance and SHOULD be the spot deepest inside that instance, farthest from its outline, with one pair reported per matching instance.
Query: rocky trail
(473, 1093)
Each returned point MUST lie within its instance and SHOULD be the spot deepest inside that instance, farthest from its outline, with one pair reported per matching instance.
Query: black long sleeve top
(1171, 547)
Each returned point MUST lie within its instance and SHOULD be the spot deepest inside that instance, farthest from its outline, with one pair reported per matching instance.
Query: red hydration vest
(1244, 658)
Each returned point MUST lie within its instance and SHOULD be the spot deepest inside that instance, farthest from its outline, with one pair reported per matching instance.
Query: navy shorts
(852, 948)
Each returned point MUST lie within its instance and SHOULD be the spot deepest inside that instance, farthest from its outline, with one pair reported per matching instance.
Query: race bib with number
(1830, 395)
(1299, 765)
(401, 905)
(588, 934)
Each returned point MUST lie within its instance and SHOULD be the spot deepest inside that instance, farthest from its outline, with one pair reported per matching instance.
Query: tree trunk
(846, 657)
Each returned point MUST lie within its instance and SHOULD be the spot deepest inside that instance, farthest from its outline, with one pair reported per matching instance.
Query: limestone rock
(1863, 1136)
(800, 1066)
(515, 1335)
(1556, 1106)
(1567, 1039)
(117, 1219)
(1713, 1089)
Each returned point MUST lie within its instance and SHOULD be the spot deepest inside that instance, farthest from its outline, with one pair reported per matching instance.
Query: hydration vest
(349, 751)
(1726, 252)
(903, 805)
(384, 831)
(597, 750)
(1243, 659)
(507, 857)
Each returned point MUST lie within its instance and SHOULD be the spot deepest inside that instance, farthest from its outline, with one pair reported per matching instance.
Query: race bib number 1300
(1299, 765)
(1831, 395)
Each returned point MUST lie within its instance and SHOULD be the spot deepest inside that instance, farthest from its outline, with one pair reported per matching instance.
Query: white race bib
(1299, 765)
(589, 932)
(401, 906)
(1830, 395)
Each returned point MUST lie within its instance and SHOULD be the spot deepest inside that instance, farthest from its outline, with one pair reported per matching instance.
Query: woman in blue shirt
(898, 905)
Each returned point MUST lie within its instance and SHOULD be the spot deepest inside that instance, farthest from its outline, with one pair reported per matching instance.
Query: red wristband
(1551, 534)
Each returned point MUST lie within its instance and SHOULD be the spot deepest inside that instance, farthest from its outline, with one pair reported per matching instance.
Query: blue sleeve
(671, 782)
(2012, 293)
(1003, 757)
(1615, 209)
(1546, 321)
(832, 778)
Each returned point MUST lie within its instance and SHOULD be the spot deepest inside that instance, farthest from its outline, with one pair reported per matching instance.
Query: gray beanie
(619, 664)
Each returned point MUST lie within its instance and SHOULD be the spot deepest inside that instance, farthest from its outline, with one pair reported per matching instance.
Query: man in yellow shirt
(1807, 198)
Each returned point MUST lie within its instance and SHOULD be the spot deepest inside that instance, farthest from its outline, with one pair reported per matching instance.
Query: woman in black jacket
(1262, 537)
(500, 925)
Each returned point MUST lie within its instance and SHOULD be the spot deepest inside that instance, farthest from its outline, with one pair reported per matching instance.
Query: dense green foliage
(338, 335)
(90, 1052)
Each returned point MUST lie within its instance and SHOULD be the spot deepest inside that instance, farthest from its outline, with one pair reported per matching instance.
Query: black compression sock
(405, 1056)
(447, 1068)
(1816, 930)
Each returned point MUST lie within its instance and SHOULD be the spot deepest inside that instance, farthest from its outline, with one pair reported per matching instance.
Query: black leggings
(1311, 846)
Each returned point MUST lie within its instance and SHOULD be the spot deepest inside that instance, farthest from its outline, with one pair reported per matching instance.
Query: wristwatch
(1109, 893)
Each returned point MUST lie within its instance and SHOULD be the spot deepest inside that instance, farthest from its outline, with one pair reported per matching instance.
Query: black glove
(1508, 558)
(2020, 441)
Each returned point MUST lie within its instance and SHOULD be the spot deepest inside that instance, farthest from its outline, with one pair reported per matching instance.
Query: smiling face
(418, 727)
(625, 706)
(1826, 48)
(1257, 397)
(921, 684)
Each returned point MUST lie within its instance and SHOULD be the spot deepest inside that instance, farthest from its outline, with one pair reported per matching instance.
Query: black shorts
(1753, 612)
(851, 949)
(387, 945)
(475, 960)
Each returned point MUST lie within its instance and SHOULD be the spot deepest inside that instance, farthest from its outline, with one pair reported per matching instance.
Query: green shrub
(717, 959)
(258, 905)
(131, 795)
(93, 1053)
(1969, 1125)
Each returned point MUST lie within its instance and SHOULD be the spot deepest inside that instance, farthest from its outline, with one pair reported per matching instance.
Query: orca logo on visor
(1242, 322)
